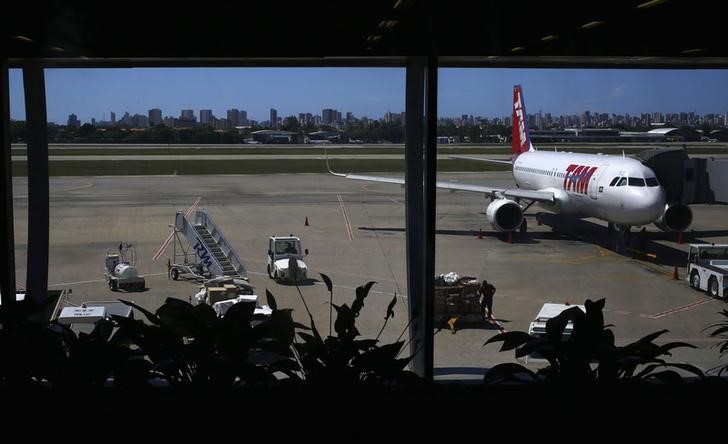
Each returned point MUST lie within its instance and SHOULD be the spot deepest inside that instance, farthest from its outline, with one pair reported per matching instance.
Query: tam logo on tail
(520, 141)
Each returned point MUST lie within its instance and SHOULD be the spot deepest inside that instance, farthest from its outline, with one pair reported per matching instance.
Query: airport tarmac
(356, 234)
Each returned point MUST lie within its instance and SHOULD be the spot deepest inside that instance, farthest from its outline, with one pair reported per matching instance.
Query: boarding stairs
(208, 242)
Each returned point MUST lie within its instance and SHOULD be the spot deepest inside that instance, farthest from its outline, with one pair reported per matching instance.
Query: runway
(356, 234)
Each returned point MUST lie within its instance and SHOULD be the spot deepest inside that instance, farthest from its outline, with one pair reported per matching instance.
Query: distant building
(206, 117)
(233, 115)
(444, 140)
(393, 117)
(186, 120)
(273, 118)
(331, 136)
(155, 117)
(140, 121)
(274, 136)
(676, 134)
(328, 116)
(73, 121)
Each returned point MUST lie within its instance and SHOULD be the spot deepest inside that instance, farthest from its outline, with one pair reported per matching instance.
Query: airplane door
(594, 182)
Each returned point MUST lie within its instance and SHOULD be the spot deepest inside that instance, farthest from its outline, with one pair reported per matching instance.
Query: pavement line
(63, 284)
(684, 307)
(342, 207)
(403, 296)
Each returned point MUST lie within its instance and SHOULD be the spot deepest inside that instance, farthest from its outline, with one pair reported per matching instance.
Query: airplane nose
(654, 203)
(646, 206)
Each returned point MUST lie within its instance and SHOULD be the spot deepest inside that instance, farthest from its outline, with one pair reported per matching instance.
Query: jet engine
(504, 215)
(675, 217)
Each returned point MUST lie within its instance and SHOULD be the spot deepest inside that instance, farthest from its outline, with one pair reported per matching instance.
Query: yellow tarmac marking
(656, 268)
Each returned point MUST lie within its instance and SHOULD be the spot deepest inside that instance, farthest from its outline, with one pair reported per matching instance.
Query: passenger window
(622, 182)
(613, 182)
(636, 182)
(652, 182)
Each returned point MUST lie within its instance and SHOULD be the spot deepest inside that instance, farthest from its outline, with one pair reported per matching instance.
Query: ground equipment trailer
(121, 272)
(457, 299)
(223, 292)
(708, 268)
(191, 271)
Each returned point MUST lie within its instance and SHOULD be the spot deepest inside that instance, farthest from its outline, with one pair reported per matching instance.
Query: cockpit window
(652, 182)
(622, 182)
(614, 181)
(636, 182)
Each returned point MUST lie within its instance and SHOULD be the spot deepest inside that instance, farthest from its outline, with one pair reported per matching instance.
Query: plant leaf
(271, 300)
(508, 372)
(327, 281)
(390, 308)
(154, 319)
(510, 339)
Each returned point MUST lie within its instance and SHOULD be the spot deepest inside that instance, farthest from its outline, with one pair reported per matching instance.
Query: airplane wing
(537, 196)
(480, 159)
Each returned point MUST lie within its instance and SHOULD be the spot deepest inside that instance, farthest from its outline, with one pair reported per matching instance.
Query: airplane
(619, 190)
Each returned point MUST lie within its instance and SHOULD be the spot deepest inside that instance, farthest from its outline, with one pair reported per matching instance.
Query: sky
(370, 92)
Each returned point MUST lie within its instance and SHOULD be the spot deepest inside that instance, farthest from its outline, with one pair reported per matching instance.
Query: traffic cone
(510, 237)
(305, 224)
(480, 233)
(675, 275)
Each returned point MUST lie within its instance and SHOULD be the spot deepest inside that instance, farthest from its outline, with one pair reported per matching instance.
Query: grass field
(283, 164)
(243, 166)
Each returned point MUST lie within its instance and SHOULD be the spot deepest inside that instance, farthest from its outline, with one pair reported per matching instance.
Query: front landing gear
(623, 234)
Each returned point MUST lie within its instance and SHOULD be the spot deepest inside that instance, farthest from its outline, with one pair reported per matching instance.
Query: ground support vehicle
(281, 251)
(537, 327)
(708, 268)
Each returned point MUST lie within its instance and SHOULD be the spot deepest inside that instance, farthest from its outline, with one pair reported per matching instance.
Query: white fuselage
(613, 188)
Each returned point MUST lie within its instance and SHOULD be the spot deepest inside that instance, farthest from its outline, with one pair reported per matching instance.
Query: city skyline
(370, 92)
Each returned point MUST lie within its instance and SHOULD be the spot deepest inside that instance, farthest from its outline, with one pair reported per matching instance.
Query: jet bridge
(689, 180)
(208, 245)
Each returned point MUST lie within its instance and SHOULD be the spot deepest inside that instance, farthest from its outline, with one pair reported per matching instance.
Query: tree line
(372, 131)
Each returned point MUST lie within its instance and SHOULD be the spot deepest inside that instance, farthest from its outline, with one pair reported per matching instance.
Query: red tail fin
(521, 141)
